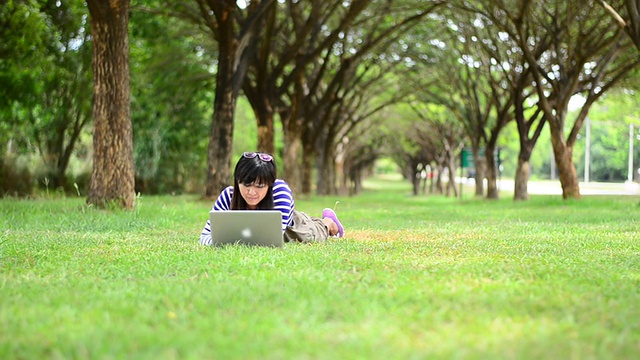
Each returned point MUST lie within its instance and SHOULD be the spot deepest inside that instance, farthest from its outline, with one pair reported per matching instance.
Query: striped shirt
(282, 200)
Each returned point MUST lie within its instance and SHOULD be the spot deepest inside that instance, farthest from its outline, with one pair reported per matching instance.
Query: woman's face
(253, 193)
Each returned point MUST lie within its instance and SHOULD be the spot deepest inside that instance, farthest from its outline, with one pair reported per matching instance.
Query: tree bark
(439, 188)
(221, 135)
(112, 177)
(566, 168)
(630, 24)
(292, 125)
(326, 173)
(307, 167)
(237, 41)
(527, 142)
(266, 134)
(596, 61)
(520, 191)
(480, 168)
(292, 152)
(220, 139)
(492, 171)
(451, 166)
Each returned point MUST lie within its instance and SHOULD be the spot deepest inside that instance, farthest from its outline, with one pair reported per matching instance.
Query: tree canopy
(328, 87)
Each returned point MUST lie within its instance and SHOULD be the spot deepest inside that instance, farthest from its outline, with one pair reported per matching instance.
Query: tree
(461, 85)
(66, 97)
(630, 21)
(530, 124)
(351, 97)
(236, 31)
(440, 138)
(584, 56)
(287, 47)
(511, 90)
(362, 151)
(283, 59)
(112, 177)
(285, 75)
(171, 97)
(312, 55)
(610, 122)
(46, 81)
(358, 81)
(489, 69)
(408, 143)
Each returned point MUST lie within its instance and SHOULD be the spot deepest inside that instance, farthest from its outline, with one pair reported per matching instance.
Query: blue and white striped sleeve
(223, 203)
(283, 201)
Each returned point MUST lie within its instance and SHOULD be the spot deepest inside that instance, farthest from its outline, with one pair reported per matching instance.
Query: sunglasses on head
(264, 157)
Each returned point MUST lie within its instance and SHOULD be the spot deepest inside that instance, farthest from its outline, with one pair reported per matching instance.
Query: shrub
(15, 180)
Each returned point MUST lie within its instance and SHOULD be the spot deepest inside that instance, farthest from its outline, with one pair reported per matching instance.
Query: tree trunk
(258, 88)
(265, 134)
(294, 133)
(307, 168)
(356, 178)
(224, 104)
(426, 179)
(292, 151)
(520, 191)
(237, 41)
(220, 142)
(492, 172)
(415, 183)
(451, 166)
(566, 168)
(480, 168)
(61, 151)
(527, 142)
(264, 114)
(433, 175)
(341, 188)
(439, 187)
(112, 177)
(341, 171)
(325, 177)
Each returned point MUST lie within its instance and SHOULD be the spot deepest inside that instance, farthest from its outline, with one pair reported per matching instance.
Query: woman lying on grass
(256, 187)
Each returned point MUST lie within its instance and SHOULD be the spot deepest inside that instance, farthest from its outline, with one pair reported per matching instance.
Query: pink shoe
(329, 213)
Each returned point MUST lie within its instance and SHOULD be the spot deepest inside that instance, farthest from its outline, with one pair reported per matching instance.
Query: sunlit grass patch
(415, 277)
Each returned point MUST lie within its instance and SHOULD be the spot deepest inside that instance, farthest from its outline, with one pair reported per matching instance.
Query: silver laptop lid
(247, 227)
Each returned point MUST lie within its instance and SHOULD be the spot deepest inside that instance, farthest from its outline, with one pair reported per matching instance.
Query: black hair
(253, 171)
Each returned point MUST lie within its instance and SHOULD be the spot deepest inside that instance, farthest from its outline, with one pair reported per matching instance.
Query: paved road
(590, 188)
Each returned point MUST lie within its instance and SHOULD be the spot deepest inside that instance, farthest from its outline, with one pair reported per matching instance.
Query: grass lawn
(415, 278)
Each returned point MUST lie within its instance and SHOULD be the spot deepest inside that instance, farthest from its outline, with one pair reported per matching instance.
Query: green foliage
(607, 153)
(386, 166)
(610, 119)
(23, 31)
(508, 144)
(45, 90)
(171, 103)
(46, 79)
(429, 277)
(619, 106)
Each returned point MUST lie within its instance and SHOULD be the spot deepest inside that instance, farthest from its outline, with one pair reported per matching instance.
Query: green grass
(416, 277)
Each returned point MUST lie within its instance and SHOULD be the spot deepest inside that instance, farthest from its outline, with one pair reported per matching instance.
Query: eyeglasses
(264, 157)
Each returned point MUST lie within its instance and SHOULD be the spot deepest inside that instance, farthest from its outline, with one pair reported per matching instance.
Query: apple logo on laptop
(246, 233)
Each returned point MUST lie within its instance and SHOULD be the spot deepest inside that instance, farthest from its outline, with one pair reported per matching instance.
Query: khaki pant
(306, 229)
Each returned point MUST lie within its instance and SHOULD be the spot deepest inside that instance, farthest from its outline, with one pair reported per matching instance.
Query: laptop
(246, 227)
